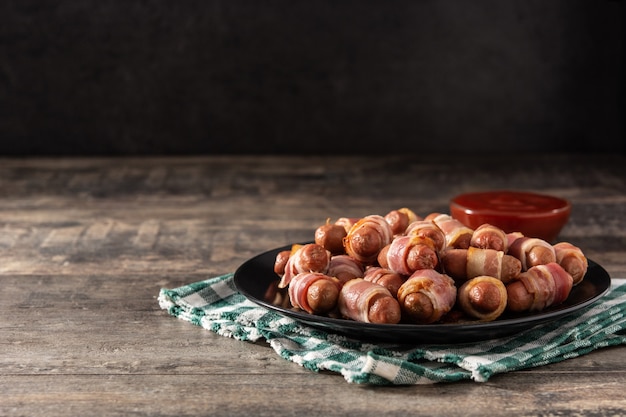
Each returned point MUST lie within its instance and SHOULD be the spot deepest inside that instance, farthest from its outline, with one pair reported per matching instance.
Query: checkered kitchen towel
(216, 305)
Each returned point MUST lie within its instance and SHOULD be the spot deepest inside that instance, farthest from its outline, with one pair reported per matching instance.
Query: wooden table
(86, 245)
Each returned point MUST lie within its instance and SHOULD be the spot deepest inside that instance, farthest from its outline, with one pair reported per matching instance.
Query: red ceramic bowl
(534, 215)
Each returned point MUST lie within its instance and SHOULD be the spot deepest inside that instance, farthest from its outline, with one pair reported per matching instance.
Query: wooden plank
(269, 395)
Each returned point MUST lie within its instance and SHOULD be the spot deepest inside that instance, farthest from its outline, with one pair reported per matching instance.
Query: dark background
(82, 77)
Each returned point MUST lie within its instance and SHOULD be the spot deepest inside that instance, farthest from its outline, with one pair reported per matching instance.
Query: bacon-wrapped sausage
(400, 219)
(482, 297)
(463, 264)
(314, 292)
(385, 277)
(330, 237)
(487, 236)
(347, 222)
(367, 302)
(426, 296)
(540, 287)
(428, 229)
(572, 259)
(457, 234)
(512, 237)
(305, 258)
(281, 261)
(407, 254)
(532, 251)
(367, 237)
(345, 268)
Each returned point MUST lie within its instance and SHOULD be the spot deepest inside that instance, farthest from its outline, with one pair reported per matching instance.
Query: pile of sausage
(405, 268)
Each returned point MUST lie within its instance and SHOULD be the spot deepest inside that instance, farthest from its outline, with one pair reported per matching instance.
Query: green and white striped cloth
(216, 305)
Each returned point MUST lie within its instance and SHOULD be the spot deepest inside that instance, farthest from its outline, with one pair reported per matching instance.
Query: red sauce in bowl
(534, 215)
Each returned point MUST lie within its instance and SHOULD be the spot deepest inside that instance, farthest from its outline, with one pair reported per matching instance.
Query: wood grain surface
(86, 244)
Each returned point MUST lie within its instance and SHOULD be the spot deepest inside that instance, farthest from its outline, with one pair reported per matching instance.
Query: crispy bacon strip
(532, 251)
(427, 296)
(367, 302)
(428, 229)
(538, 288)
(457, 234)
(484, 262)
(492, 262)
(385, 277)
(463, 264)
(512, 237)
(572, 259)
(345, 268)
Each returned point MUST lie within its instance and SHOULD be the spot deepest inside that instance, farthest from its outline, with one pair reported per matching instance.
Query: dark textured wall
(248, 76)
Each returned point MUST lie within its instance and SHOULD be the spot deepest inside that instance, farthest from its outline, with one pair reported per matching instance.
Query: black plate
(255, 276)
